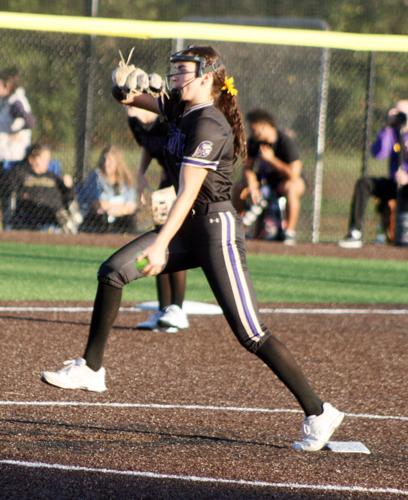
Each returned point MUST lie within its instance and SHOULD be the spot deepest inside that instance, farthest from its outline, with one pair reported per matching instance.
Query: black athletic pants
(381, 187)
(212, 238)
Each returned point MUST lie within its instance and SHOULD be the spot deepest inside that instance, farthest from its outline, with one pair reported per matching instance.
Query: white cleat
(76, 375)
(174, 317)
(317, 430)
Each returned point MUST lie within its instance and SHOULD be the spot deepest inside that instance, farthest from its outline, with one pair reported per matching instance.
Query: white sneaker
(317, 430)
(152, 324)
(352, 240)
(173, 316)
(77, 375)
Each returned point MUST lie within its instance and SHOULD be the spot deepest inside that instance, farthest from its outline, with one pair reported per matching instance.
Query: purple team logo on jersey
(203, 149)
(175, 141)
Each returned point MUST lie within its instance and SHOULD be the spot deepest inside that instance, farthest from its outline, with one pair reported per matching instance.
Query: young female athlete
(206, 136)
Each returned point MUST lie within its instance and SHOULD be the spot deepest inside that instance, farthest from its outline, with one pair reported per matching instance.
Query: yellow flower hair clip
(229, 86)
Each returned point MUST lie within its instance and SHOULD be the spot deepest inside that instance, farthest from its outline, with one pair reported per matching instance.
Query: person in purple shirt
(392, 144)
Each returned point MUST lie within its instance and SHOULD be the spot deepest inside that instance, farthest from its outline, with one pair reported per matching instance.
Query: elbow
(187, 197)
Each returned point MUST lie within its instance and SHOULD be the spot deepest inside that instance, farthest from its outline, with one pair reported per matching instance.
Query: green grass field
(45, 272)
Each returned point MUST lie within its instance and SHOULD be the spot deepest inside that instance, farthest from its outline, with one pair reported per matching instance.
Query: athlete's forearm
(144, 101)
(145, 160)
(178, 213)
(191, 180)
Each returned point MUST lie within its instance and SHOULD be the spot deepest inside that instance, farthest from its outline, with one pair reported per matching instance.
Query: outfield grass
(46, 272)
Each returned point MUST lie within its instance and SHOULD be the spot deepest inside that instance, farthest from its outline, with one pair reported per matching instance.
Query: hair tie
(229, 86)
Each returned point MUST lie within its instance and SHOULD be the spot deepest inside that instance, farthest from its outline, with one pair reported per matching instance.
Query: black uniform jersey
(200, 137)
(285, 149)
(153, 139)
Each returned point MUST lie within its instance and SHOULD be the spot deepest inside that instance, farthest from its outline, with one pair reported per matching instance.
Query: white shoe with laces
(76, 375)
(318, 429)
(173, 316)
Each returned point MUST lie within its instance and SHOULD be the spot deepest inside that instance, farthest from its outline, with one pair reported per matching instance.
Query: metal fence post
(85, 101)
(321, 139)
(368, 116)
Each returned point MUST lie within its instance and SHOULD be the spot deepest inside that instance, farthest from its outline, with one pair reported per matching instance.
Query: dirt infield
(239, 423)
(369, 251)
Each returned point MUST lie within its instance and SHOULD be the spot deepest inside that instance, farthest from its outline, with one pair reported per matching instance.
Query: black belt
(217, 206)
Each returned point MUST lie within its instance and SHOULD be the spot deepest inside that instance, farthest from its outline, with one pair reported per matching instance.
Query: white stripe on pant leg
(231, 276)
(242, 303)
(242, 276)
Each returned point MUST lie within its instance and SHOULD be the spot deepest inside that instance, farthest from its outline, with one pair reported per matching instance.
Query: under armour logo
(216, 220)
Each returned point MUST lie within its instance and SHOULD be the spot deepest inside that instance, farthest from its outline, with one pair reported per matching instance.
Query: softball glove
(129, 80)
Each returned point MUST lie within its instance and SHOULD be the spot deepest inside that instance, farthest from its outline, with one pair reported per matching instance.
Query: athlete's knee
(110, 274)
(253, 344)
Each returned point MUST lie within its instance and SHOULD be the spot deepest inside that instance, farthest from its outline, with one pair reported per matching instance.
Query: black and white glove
(156, 85)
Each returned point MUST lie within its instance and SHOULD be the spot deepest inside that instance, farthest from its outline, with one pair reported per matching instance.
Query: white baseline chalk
(194, 407)
(262, 310)
(213, 480)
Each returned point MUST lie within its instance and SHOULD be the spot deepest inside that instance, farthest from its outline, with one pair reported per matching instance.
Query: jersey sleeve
(204, 144)
(289, 150)
(252, 148)
(169, 108)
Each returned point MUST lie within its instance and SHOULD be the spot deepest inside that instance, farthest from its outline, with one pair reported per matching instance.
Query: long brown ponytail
(223, 100)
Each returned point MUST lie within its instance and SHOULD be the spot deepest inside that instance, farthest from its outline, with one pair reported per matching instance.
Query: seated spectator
(391, 143)
(40, 200)
(16, 119)
(54, 166)
(273, 169)
(107, 197)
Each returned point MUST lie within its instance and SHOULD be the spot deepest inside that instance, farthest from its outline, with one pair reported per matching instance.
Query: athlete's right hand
(157, 257)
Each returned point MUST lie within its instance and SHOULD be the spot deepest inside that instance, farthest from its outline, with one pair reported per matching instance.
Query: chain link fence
(67, 79)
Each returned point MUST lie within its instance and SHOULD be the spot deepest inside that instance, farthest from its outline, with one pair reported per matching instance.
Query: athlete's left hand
(157, 257)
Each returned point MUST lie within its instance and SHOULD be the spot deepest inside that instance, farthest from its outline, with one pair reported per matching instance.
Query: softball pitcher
(206, 136)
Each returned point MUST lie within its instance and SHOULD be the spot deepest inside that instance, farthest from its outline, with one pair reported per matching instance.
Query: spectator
(42, 200)
(273, 167)
(150, 133)
(16, 119)
(107, 197)
(391, 144)
(54, 166)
